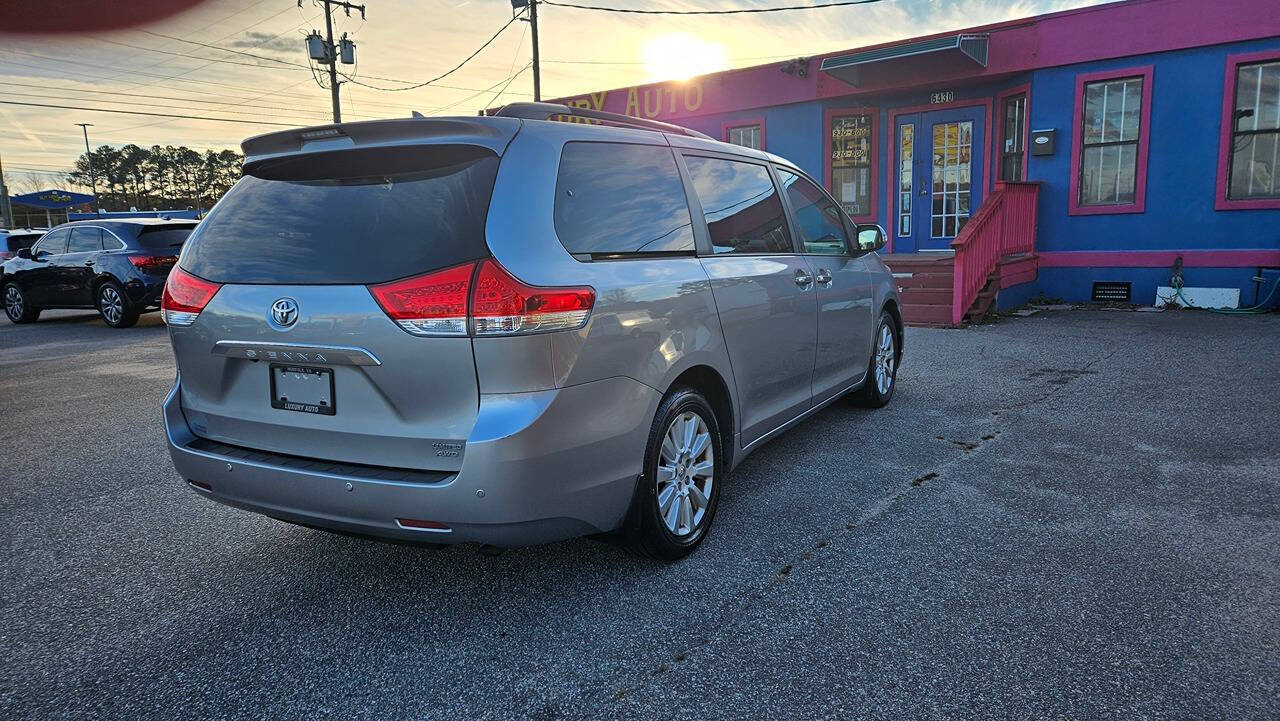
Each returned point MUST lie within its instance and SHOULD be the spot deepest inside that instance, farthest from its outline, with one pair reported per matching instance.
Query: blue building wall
(1181, 179)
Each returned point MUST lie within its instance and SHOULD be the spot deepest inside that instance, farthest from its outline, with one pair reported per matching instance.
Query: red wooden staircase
(996, 249)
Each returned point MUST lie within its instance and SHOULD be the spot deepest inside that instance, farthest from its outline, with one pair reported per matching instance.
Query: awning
(52, 199)
(861, 67)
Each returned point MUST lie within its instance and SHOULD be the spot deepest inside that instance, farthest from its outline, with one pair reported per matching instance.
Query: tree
(158, 177)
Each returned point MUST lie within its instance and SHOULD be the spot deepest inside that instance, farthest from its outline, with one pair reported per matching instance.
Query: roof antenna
(416, 114)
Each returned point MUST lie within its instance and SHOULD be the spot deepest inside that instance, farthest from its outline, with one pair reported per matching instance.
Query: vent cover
(1114, 291)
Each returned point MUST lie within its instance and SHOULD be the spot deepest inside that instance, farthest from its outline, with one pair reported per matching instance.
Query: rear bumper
(538, 467)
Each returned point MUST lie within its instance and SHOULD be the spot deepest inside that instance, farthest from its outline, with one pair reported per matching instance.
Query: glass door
(938, 176)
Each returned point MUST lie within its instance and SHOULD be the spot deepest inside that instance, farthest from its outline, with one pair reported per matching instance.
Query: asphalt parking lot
(1073, 515)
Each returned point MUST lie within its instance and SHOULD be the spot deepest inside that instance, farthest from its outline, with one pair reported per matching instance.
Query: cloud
(255, 40)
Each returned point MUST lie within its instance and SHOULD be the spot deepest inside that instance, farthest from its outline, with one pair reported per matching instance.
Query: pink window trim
(1139, 204)
(874, 195)
(997, 137)
(987, 173)
(1220, 200)
(728, 125)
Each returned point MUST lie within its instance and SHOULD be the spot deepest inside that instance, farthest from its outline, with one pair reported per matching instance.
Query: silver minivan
(515, 329)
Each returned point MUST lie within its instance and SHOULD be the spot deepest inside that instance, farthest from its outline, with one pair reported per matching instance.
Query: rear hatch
(294, 353)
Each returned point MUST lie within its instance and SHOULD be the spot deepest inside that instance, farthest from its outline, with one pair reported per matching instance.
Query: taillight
(431, 304)
(184, 297)
(502, 305)
(436, 304)
(152, 262)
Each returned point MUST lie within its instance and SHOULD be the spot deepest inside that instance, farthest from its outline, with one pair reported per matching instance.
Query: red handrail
(1004, 225)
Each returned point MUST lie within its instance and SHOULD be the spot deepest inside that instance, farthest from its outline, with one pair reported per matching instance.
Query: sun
(679, 56)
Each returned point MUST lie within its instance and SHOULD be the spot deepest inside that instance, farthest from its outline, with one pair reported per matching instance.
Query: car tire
(16, 305)
(669, 519)
(113, 305)
(882, 369)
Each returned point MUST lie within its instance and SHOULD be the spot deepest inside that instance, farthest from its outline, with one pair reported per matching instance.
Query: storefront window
(851, 154)
(1255, 136)
(1012, 144)
(748, 136)
(1112, 128)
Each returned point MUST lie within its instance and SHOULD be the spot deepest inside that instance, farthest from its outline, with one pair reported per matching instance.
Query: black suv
(117, 267)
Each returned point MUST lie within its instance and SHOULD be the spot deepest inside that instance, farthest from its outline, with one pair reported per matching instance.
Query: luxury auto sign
(653, 102)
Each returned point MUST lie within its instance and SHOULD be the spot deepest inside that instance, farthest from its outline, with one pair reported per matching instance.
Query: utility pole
(537, 72)
(324, 50)
(533, 25)
(93, 179)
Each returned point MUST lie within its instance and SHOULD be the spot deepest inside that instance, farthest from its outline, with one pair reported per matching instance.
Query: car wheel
(114, 306)
(16, 305)
(882, 371)
(683, 470)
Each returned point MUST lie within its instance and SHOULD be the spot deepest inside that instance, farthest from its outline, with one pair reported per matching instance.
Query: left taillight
(184, 297)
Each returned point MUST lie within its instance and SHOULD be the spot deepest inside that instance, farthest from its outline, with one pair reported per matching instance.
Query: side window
(110, 242)
(743, 211)
(822, 231)
(54, 243)
(85, 240)
(616, 199)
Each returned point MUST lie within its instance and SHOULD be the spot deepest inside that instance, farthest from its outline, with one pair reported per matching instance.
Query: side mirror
(870, 237)
(24, 253)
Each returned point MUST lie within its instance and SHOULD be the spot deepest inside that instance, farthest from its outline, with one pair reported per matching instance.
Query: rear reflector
(431, 304)
(436, 304)
(152, 262)
(184, 297)
(502, 305)
(417, 525)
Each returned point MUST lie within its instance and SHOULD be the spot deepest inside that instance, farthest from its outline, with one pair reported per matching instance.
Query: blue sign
(52, 199)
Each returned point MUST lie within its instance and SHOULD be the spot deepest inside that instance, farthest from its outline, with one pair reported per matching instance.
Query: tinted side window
(613, 198)
(54, 242)
(85, 240)
(743, 211)
(822, 232)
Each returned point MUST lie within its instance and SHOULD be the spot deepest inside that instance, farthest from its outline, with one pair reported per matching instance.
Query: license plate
(302, 388)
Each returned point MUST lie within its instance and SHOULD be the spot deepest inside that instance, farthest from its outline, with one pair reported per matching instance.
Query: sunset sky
(161, 68)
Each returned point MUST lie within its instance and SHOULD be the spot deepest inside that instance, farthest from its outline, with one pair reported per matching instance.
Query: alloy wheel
(13, 302)
(111, 303)
(885, 357)
(686, 472)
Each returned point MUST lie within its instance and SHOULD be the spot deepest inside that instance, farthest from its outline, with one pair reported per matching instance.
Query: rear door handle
(803, 279)
(824, 277)
(88, 262)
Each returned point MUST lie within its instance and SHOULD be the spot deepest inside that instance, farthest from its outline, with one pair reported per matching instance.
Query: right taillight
(483, 301)
(184, 297)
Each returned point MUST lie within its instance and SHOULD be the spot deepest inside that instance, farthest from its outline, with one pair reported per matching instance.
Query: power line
(741, 11)
(168, 106)
(154, 115)
(443, 75)
(221, 103)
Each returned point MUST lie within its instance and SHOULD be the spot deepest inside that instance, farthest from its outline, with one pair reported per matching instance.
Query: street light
(93, 179)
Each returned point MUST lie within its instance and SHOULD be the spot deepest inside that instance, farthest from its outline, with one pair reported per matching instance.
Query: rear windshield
(161, 237)
(361, 216)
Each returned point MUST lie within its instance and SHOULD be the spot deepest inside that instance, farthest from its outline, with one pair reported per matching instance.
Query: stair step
(929, 313)
(925, 296)
(925, 280)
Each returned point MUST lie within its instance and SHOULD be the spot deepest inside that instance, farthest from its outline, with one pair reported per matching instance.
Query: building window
(1255, 134)
(906, 151)
(748, 136)
(851, 170)
(1110, 142)
(1013, 143)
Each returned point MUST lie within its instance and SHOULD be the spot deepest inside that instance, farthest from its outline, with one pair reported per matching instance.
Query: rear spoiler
(491, 133)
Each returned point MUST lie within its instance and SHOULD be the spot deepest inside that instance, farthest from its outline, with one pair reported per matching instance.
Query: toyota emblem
(284, 312)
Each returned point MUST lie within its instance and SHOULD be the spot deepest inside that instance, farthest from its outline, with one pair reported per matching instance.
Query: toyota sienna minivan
(513, 329)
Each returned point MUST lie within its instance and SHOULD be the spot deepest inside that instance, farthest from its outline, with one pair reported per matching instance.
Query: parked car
(511, 330)
(117, 267)
(11, 241)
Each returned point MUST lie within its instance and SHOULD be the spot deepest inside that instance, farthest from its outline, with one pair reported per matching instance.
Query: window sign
(851, 162)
